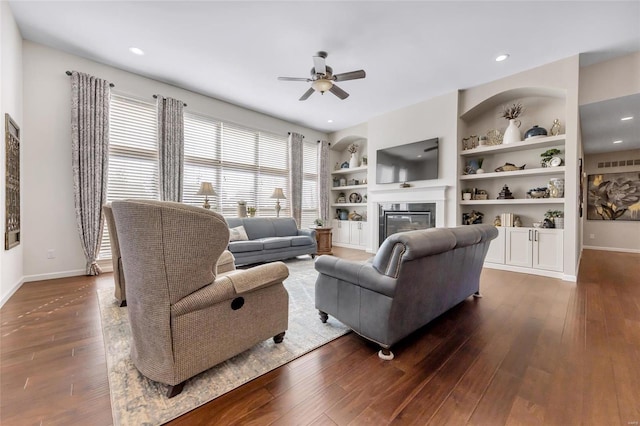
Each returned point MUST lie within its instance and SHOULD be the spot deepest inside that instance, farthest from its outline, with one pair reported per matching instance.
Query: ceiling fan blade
(339, 92)
(319, 64)
(293, 79)
(306, 94)
(353, 75)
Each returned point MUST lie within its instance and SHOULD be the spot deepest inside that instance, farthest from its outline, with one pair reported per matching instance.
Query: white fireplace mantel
(420, 194)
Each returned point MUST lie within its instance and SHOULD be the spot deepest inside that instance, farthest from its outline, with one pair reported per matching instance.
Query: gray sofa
(270, 239)
(414, 277)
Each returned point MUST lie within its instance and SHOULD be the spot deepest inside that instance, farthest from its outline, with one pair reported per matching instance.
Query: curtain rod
(156, 97)
(328, 143)
(69, 73)
(298, 133)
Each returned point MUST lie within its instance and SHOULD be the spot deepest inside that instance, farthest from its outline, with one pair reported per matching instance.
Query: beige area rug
(135, 400)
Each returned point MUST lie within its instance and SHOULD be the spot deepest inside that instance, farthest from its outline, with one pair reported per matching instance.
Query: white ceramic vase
(512, 134)
(559, 222)
(353, 161)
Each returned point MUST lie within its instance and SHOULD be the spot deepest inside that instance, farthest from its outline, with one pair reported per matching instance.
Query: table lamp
(206, 189)
(277, 194)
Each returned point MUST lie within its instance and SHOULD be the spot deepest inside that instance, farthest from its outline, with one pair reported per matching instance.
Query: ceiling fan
(322, 78)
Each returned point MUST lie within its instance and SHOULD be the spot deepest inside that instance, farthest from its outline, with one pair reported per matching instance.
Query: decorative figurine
(555, 128)
(517, 222)
(505, 194)
(473, 218)
(509, 167)
(497, 221)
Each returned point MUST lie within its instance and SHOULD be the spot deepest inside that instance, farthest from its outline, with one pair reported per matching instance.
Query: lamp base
(278, 208)
(206, 204)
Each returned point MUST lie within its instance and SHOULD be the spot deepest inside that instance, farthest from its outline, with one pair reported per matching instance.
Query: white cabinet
(495, 254)
(358, 233)
(341, 231)
(535, 248)
(350, 234)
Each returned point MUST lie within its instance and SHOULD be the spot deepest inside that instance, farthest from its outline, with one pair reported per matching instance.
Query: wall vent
(620, 163)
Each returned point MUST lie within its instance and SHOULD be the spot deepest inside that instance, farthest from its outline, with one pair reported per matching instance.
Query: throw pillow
(238, 234)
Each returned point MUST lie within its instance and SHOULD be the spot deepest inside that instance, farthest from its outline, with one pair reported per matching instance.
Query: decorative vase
(353, 161)
(559, 221)
(512, 134)
(242, 209)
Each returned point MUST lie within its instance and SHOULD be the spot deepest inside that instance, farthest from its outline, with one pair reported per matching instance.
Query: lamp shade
(206, 189)
(277, 193)
(322, 85)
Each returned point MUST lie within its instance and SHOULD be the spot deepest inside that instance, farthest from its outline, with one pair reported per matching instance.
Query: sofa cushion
(238, 234)
(285, 227)
(276, 242)
(301, 240)
(244, 246)
(259, 227)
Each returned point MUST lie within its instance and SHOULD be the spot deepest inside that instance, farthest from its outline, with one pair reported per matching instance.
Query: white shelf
(349, 205)
(516, 146)
(514, 201)
(526, 172)
(349, 170)
(341, 188)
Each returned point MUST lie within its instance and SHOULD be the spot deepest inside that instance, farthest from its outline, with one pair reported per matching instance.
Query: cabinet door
(341, 231)
(496, 252)
(364, 235)
(548, 252)
(358, 234)
(518, 246)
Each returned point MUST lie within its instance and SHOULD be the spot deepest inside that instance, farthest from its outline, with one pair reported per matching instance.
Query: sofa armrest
(362, 274)
(307, 232)
(226, 287)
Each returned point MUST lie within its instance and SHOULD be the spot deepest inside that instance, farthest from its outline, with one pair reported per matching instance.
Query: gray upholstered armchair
(184, 316)
(414, 277)
(226, 262)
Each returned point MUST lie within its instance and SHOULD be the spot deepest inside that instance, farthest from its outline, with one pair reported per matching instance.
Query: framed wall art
(614, 196)
(12, 182)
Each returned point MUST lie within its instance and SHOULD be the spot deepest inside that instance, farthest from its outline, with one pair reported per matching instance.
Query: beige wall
(49, 219)
(11, 261)
(611, 235)
(610, 79)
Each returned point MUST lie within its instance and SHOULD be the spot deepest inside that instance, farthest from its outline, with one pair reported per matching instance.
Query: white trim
(11, 292)
(55, 275)
(530, 271)
(624, 250)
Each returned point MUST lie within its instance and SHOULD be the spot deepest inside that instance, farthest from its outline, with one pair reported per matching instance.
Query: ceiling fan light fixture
(322, 85)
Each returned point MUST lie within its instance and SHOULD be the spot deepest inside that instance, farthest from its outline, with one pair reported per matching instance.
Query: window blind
(133, 155)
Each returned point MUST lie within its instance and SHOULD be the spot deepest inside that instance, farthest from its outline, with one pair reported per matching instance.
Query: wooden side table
(323, 237)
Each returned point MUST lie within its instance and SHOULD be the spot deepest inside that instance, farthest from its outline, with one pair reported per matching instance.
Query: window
(133, 155)
(309, 184)
(241, 163)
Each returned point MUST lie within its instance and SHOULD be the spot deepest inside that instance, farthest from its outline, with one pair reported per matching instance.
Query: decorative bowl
(537, 224)
(537, 194)
(535, 131)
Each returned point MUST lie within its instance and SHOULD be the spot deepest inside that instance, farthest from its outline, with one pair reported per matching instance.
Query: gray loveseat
(270, 239)
(414, 277)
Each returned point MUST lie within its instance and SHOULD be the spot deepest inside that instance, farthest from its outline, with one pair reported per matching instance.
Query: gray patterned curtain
(295, 175)
(323, 181)
(90, 97)
(170, 148)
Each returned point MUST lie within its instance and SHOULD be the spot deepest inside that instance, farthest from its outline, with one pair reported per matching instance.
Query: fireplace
(400, 217)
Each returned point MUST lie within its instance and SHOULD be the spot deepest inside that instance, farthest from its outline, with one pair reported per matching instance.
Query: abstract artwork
(614, 196)
(12, 181)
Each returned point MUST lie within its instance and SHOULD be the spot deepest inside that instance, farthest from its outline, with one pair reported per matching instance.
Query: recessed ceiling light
(329, 121)
(617, 141)
(502, 57)
(627, 118)
(136, 51)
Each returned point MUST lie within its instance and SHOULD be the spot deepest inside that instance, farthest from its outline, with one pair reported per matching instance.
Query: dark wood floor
(534, 350)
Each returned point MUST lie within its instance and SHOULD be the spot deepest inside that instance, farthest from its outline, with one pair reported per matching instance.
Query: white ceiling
(411, 51)
(601, 125)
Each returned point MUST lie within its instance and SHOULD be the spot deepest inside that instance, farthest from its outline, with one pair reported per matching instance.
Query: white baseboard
(550, 274)
(623, 250)
(54, 275)
(11, 292)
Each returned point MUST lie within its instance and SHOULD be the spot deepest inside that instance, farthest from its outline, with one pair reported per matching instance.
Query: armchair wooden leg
(278, 338)
(175, 390)
(477, 294)
(123, 303)
(323, 316)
